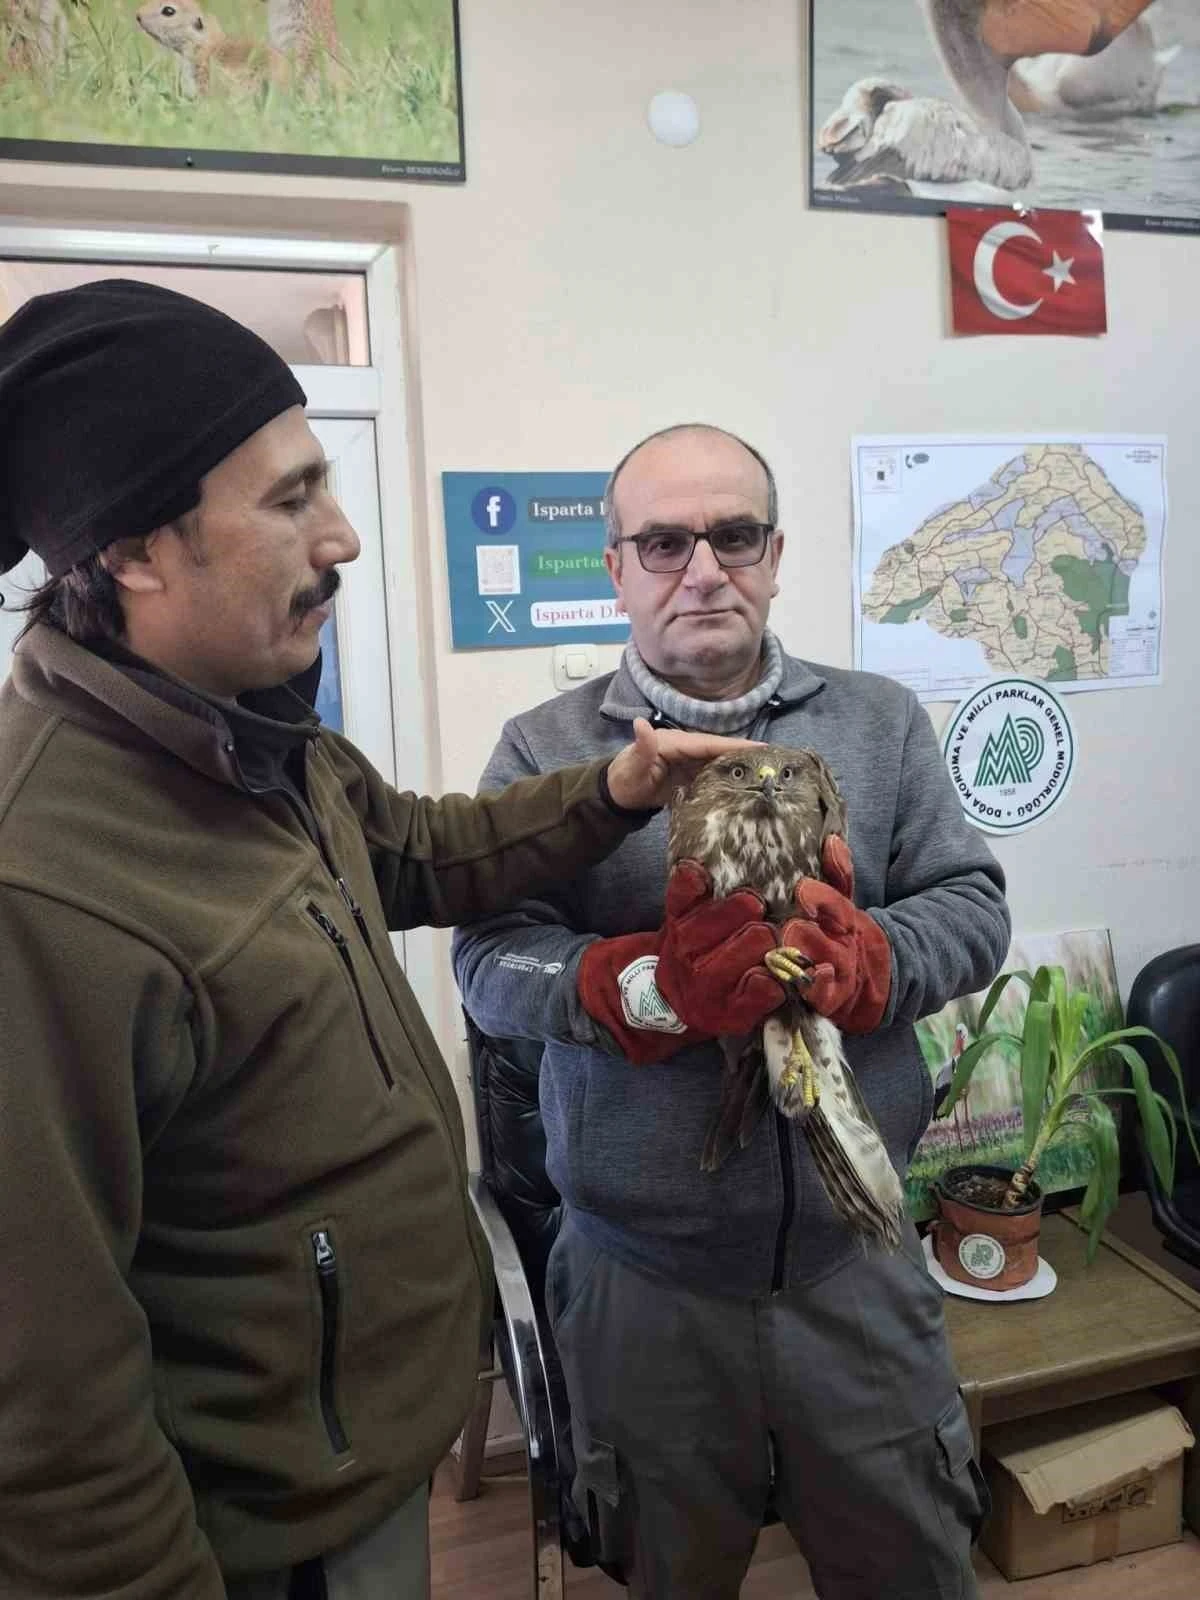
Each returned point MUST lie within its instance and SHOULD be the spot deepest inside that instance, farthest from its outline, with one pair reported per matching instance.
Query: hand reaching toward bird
(659, 761)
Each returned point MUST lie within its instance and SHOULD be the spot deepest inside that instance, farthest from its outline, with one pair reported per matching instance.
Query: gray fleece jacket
(624, 1142)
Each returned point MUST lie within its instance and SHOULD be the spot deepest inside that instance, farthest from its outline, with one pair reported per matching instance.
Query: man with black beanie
(242, 1294)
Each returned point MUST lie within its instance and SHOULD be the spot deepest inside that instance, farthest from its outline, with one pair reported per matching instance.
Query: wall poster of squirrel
(364, 88)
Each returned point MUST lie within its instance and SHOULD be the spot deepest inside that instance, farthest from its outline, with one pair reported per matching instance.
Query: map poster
(1038, 556)
(525, 558)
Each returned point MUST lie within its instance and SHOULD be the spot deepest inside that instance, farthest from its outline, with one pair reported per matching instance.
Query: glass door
(353, 697)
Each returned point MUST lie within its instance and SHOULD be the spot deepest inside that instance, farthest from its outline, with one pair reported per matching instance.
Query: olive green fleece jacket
(240, 1288)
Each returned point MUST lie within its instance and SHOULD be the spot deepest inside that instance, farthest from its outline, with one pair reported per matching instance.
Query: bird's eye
(785, 774)
(737, 772)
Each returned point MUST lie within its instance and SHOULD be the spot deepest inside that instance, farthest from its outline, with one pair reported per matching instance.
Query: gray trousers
(685, 1407)
(391, 1562)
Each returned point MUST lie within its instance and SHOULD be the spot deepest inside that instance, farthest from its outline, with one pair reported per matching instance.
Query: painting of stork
(985, 1124)
(919, 105)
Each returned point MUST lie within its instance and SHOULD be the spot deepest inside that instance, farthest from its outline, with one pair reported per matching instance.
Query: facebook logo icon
(493, 510)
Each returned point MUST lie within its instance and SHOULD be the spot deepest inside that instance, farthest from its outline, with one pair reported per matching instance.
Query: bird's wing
(923, 139)
(745, 1095)
(758, 1103)
(849, 1153)
(1014, 28)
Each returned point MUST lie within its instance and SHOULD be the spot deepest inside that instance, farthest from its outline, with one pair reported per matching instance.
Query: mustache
(316, 594)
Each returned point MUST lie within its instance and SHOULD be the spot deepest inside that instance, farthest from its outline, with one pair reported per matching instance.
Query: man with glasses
(724, 1338)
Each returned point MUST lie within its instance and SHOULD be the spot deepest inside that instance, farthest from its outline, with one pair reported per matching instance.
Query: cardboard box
(1082, 1485)
(1189, 1404)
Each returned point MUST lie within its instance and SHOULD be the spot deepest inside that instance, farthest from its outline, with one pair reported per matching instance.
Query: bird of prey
(759, 819)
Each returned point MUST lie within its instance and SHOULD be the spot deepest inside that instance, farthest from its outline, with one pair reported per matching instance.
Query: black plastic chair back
(1166, 997)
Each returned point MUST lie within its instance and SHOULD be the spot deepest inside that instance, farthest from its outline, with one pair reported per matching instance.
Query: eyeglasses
(734, 544)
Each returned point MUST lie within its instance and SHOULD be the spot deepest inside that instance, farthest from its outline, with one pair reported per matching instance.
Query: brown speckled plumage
(758, 819)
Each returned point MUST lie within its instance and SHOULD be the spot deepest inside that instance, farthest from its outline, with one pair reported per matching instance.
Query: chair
(1166, 997)
(519, 1210)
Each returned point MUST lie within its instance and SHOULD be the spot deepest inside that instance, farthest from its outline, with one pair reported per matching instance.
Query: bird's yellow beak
(765, 772)
(766, 782)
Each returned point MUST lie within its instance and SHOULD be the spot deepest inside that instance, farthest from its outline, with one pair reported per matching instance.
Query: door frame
(378, 391)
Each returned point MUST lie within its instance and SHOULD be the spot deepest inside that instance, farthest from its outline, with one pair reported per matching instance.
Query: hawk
(759, 819)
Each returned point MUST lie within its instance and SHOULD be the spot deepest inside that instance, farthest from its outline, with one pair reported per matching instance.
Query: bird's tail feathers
(848, 1151)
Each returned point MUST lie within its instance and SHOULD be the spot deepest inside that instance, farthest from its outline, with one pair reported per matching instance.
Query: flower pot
(984, 1245)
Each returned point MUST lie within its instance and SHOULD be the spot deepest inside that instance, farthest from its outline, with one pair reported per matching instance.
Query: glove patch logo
(642, 1004)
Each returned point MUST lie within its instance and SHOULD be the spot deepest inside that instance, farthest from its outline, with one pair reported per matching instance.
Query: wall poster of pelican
(986, 1125)
(917, 105)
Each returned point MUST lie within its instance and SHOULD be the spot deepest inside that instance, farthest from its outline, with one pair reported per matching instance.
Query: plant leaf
(1110, 1041)
(1100, 1197)
(1172, 1061)
(1076, 1012)
(967, 1063)
(1172, 1129)
(997, 989)
(1154, 1125)
(1105, 1042)
(1036, 1050)
(1059, 998)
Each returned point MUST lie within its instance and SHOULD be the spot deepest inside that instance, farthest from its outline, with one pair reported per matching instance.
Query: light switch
(573, 664)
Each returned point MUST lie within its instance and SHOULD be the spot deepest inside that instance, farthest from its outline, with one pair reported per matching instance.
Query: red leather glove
(699, 975)
(851, 974)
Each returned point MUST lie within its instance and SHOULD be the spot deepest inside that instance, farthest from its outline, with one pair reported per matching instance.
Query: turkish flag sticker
(1014, 271)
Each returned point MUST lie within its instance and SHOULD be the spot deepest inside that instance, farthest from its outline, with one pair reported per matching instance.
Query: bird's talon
(809, 1081)
(788, 965)
(795, 1089)
(801, 1057)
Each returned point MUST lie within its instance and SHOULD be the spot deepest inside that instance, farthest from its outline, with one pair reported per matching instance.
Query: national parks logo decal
(1010, 750)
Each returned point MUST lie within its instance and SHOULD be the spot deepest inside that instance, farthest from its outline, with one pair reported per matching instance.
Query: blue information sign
(525, 552)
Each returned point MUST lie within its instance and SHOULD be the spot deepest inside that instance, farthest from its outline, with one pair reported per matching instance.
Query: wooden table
(1121, 1324)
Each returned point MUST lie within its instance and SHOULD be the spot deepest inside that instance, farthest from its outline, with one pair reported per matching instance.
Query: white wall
(588, 285)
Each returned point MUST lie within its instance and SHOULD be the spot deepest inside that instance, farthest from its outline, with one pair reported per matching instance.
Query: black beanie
(115, 399)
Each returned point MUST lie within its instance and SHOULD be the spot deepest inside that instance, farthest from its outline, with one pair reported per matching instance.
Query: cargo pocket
(968, 1499)
(597, 1495)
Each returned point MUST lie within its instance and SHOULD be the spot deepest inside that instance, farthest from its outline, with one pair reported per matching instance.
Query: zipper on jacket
(783, 1144)
(356, 911)
(360, 922)
(325, 1261)
(338, 939)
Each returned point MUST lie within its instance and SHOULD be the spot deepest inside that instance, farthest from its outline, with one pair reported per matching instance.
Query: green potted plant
(989, 1218)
